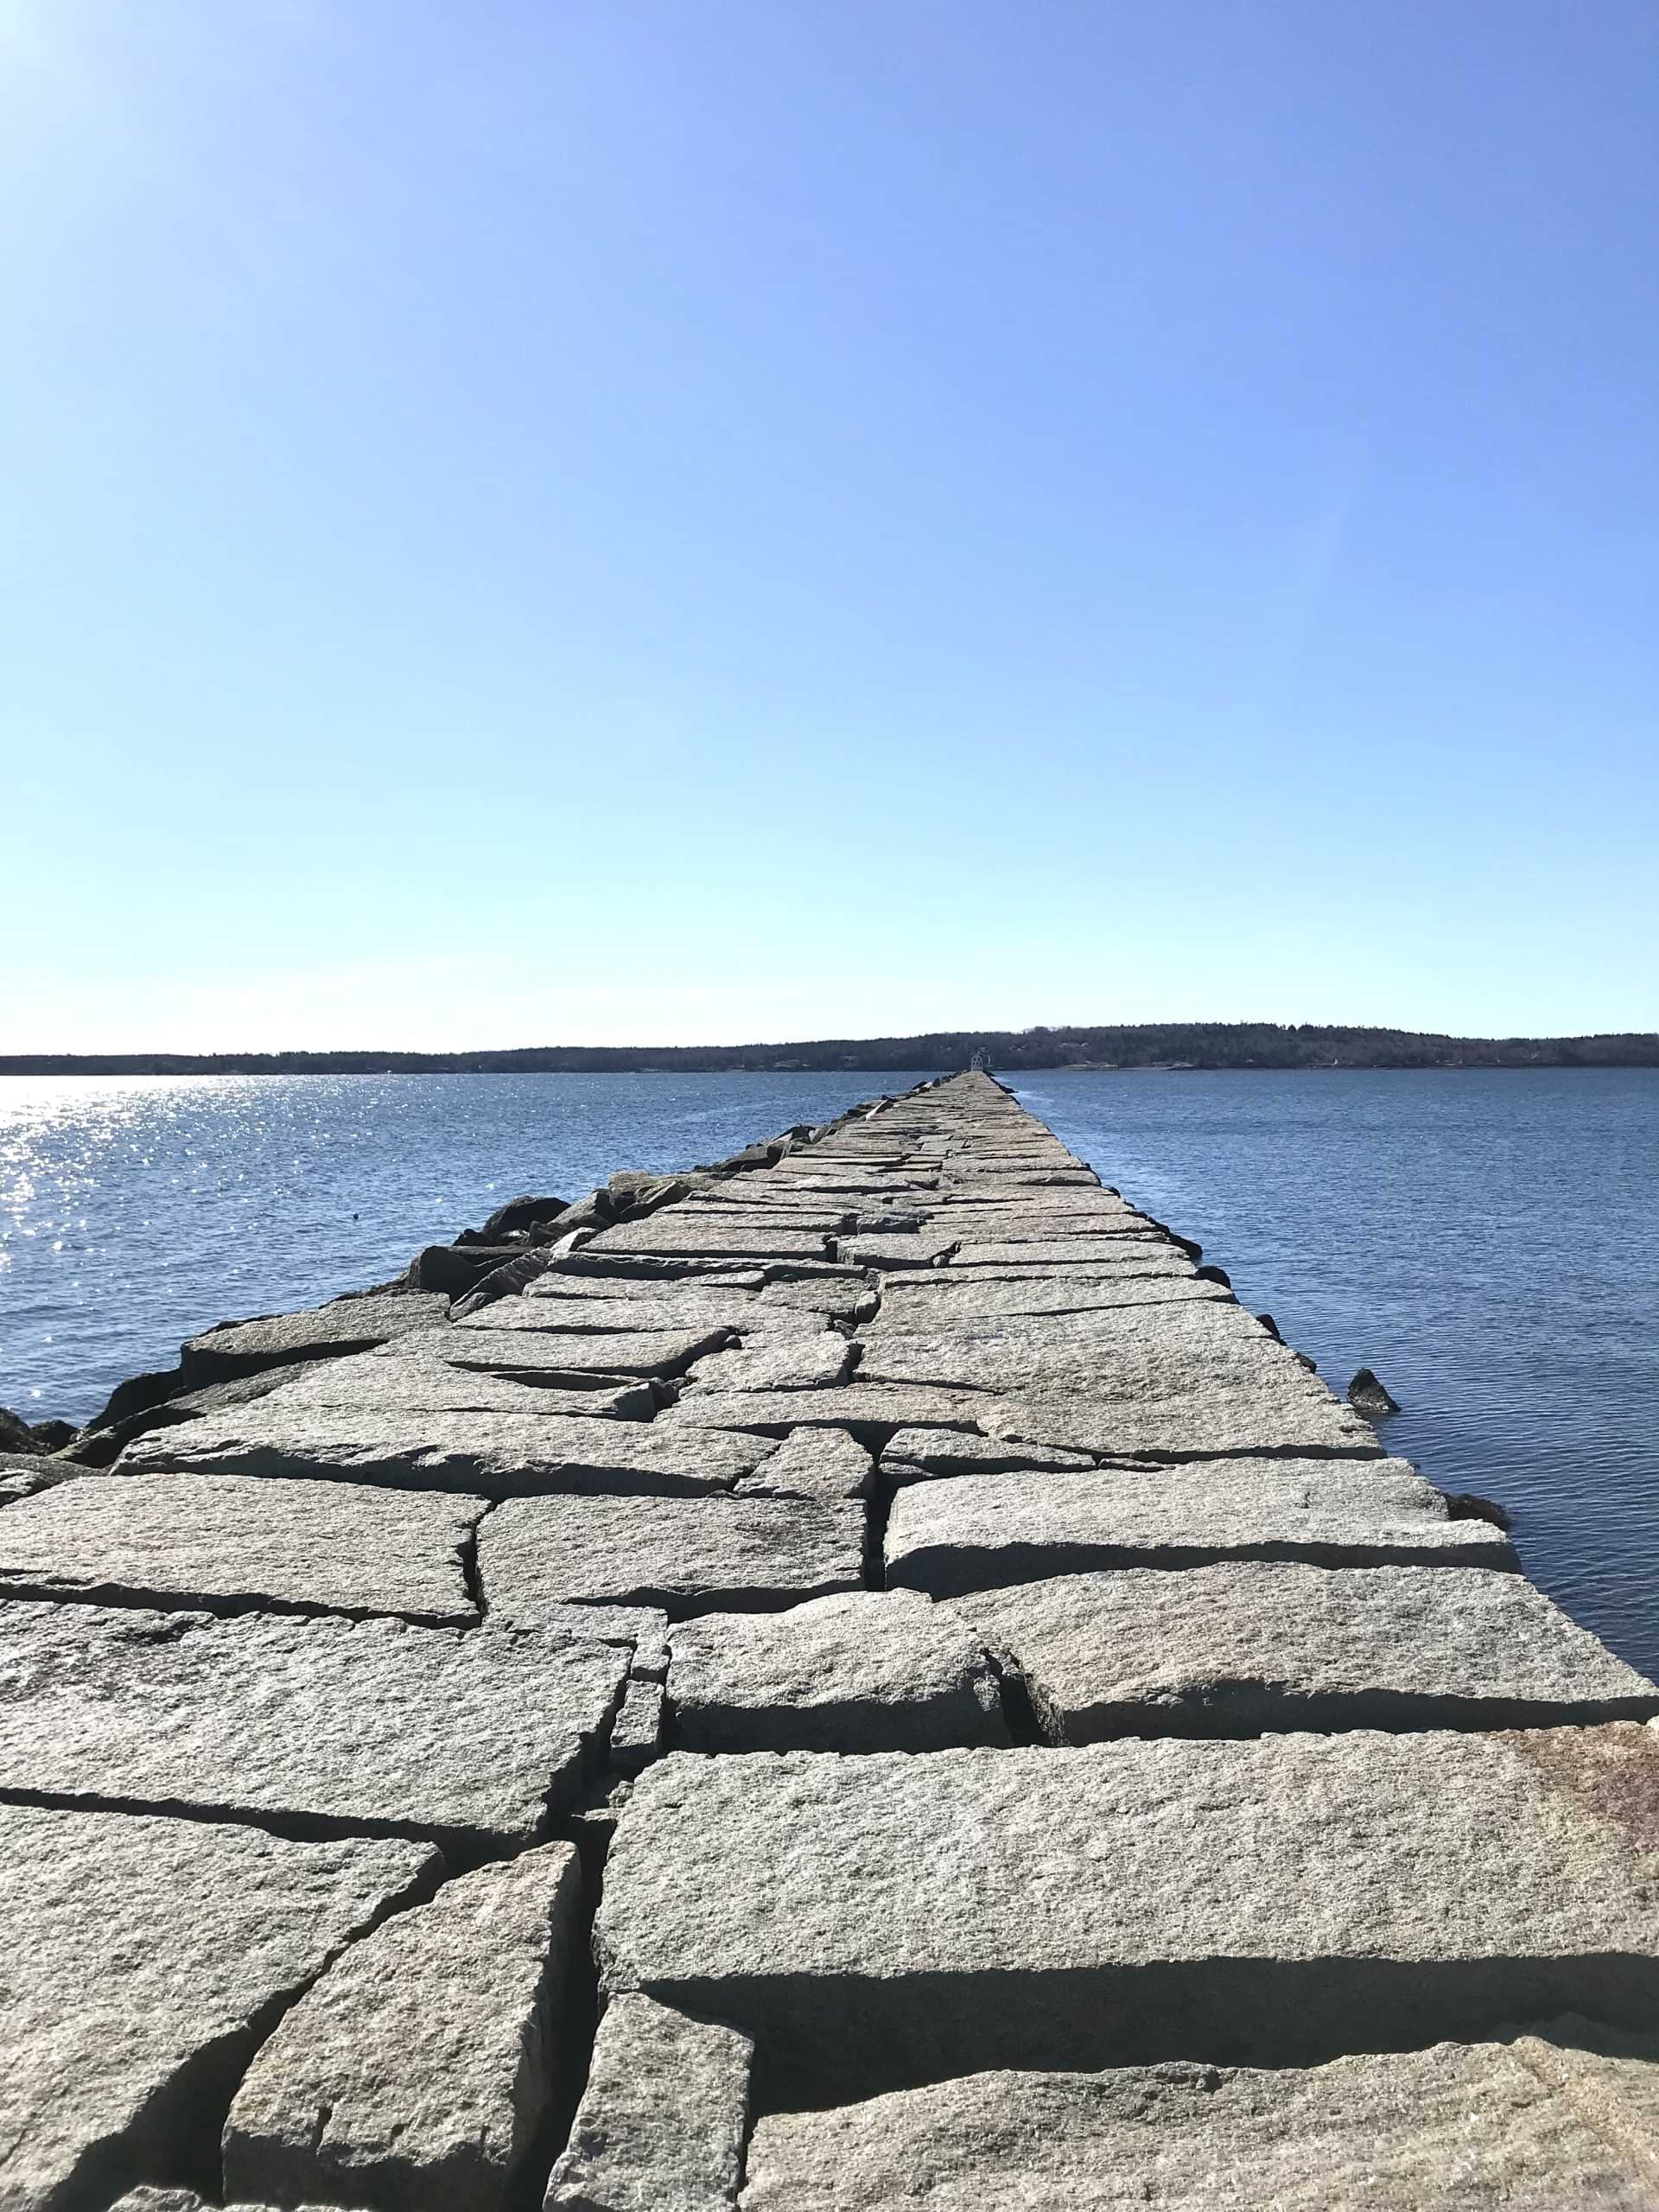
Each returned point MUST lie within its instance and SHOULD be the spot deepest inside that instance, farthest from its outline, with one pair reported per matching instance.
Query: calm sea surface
(1488, 1241)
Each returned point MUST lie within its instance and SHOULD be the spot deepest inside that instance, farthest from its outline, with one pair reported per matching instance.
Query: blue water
(1487, 1241)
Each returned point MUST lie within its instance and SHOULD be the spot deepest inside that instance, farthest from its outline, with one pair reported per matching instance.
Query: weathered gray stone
(1529, 2126)
(822, 1463)
(617, 1351)
(1128, 1901)
(637, 1739)
(1135, 1352)
(217, 1541)
(982, 1532)
(495, 1455)
(144, 1961)
(373, 1383)
(866, 1672)
(1241, 1648)
(795, 1361)
(683, 1233)
(372, 1725)
(1143, 1255)
(412, 2076)
(914, 1455)
(662, 2122)
(1297, 1420)
(867, 1410)
(944, 1300)
(686, 1555)
(322, 1331)
(918, 1248)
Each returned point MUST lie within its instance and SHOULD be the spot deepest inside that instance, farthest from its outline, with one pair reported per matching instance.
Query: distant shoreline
(1168, 1048)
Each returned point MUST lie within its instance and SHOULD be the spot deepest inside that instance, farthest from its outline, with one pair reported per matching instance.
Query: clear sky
(534, 521)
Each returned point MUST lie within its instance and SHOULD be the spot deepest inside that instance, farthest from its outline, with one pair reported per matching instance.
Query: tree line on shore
(1178, 1045)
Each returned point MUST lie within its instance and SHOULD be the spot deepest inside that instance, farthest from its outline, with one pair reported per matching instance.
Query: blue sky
(703, 519)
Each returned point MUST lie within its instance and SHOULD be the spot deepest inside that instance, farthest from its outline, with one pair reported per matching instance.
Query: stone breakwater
(859, 1678)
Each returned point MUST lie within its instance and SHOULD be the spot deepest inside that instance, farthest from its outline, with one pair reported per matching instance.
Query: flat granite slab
(824, 1463)
(661, 2124)
(803, 1360)
(319, 1332)
(1135, 1352)
(878, 1921)
(492, 1455)
(372, 1382)
(1534, 2125)
(414, 2075)
(686, 1555)
(229, 1545)
(331, 1725)
(869, 1411)
(868, 1672)
(676, 1234)
(145, 1962)
(1137, 1252)
(535, 1356)
(1283, 1417)
(920, 1304)
(981, 1532)
(1242, 1648)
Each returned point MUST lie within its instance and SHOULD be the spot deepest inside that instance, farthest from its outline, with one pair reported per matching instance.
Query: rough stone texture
(1296, 1419)
(869, 1411)
(412, 2076)
(796, 1362)
(945, 1300)
(860, 1672)
(322, 1331)
(637, 1739)
(144, 1958)
(1132, 1352)
(1136, 1254)
(618, 1351)
(824, 1463)
(661, 2125)
(914, 1455)
(371, 1383)
(1535, 2124)
(370, 1725)
(685, 1556)
(495, 1455)
(918, 1248)
(881, 1921)
(217, 1541)
(979, 1532)
(681, 1233)
(1242, 1648)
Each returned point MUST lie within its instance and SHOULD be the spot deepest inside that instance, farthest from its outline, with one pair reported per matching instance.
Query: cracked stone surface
(824, 1462)
(183, 1539)
(684, 1555)
(349, 1325)
(1249, 1901)
(1242, 1648)
(979, 1532)
(866, 1672)
(867, 1410)
(942, 1300)
(373, 1383)
(369, 1725)
(412, 2076)
(662, 2122)
(492, 1455)
(1298, 1419)
(796, 1362)
(127, 2017)
(913, 1455)
(1538, 2123)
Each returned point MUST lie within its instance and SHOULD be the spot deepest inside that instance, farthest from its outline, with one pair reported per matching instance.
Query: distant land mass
(1147, 1046)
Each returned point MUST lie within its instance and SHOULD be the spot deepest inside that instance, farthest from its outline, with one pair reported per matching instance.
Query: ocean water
(1488, 1241)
